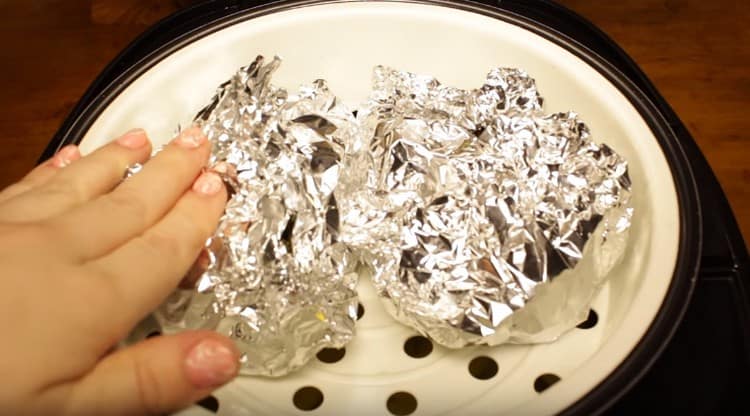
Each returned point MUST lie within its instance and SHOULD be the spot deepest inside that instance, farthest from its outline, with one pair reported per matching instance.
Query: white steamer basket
(341, 42)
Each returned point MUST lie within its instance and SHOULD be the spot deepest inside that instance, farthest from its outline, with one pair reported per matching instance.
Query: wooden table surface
(696, 52)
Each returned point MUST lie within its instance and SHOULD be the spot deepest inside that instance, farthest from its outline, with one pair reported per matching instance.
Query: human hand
(84, 258)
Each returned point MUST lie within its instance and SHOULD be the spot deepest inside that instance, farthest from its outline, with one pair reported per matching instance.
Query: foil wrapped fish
(483, 220)
(275, 276)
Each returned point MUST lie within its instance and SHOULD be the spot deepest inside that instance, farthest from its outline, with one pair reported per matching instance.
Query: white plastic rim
(341, 43)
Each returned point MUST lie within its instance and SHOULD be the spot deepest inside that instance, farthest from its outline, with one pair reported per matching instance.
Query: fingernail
(133, 139)
(221, 167)
(66, 156)
(208, 184)
(211, 364)
(191, 138)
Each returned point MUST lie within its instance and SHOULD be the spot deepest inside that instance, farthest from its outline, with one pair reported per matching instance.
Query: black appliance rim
(211, 16)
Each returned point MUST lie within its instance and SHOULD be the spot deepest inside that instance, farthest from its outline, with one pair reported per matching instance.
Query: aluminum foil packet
(483, 220)
(275, 277)
(479, 218)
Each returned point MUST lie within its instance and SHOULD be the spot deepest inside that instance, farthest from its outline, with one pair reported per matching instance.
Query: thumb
(157, 376)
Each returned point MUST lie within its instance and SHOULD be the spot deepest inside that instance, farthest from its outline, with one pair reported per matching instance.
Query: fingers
(141, 201)
(149, 267)
(42, 173)
(157, 376)
(80, 181)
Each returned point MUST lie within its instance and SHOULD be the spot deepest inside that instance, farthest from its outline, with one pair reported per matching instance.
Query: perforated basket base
(390, 369)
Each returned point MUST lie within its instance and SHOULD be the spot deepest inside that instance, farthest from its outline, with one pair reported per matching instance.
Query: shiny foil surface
(484, 220)
(479, 218)
(275, 276)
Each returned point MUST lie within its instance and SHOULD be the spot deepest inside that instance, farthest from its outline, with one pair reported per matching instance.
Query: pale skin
(86, 256)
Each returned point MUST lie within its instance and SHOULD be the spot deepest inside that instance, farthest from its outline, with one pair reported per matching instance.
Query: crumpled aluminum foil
(479, 218)
(483, 220)
(275, 276)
